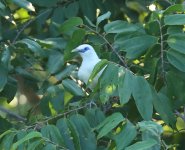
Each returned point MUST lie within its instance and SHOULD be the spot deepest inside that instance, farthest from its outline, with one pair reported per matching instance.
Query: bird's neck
(91, 59)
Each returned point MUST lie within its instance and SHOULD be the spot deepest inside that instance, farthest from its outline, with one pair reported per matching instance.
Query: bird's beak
(74, 50)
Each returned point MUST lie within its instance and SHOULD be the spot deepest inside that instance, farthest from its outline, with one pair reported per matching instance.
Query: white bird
(89, 60)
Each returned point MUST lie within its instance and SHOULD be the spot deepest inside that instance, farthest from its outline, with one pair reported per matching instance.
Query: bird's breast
(85, 70)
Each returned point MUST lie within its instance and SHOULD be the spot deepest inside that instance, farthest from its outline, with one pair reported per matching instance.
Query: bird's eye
(86, 48)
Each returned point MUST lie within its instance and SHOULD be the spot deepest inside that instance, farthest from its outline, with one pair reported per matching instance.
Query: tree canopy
(139, 102)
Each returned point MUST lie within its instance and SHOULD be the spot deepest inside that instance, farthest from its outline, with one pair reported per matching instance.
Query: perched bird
(89, 60)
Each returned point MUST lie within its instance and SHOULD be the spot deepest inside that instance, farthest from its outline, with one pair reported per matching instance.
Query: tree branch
(61, 115)
(112, 48)
(12, 114)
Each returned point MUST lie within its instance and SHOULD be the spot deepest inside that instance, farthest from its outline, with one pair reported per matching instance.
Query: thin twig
(27, 24)
(113, 49)
(68, 112)
(60, 115)
(59, 146)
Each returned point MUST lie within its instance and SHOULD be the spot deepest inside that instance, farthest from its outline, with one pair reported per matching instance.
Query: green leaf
(70, 24)
(175, 89)
(24, 4)
(58, 43)
(125, 85)
(88, 8)
(143, 97)
(3, 76)
(86, 135)
(8, 141)
(34, 145)
(175, 29)
(125, 136)
(108, 82)
(44, 105)
(55, 62)
(33, 46)
(51, 132)
(109, 124)
(176, 59)
(175, 8)
(162, 106)
(120, 26)
(6, 123)
(66, 72)
(76, 40)
(2, 6)
(151, 130)
(72, 87)
(98, 67)
(143, 145)
(6, 55)
(175, 19)
(72, 6)
(49, 146)
(103, 17)
(153, 28)
(21, 134)
(94, 116)
(69, 133)
(176, 42)
(89, 22)
(44, 3)
(9, 90)
(136, 46)
(31, 135)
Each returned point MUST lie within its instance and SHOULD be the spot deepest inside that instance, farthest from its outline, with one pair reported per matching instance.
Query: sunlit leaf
(108, 82)
(151, 130)
(98, 67)
(109, 124)
(72, 87)
(103, 17)
(24, 4)
(125, 136)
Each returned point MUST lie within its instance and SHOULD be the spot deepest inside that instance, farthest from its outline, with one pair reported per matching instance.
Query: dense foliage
(139, 101)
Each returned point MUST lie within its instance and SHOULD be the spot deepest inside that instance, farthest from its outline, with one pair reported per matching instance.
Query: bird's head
(86, 51)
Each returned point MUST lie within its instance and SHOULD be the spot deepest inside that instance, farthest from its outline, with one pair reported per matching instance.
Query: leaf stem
(49, 141)
(162, 50)
(112, 48)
